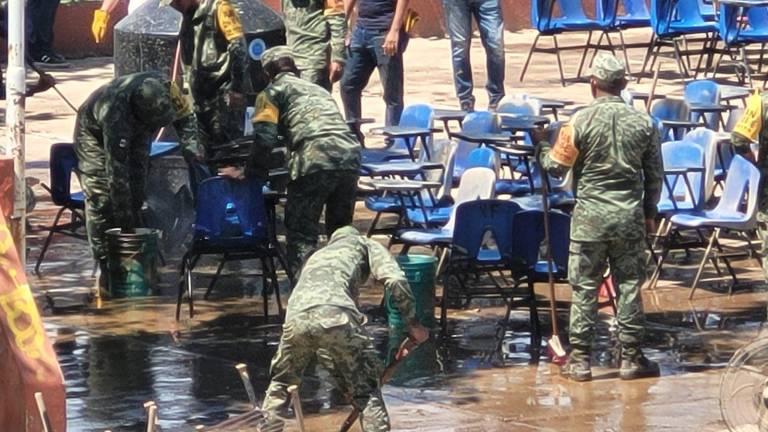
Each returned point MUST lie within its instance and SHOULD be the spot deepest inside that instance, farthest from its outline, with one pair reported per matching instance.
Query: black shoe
(468, 106)
(52, 61)
(639, 367)
(577, 370)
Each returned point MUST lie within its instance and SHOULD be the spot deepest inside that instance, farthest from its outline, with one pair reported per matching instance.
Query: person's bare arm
(349, 6)
(392, 41)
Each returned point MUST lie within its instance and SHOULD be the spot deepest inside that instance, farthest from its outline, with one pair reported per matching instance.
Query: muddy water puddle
(191, 375)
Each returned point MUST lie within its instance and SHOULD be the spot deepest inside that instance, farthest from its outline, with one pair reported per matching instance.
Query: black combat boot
(635, 365)
(579, 366)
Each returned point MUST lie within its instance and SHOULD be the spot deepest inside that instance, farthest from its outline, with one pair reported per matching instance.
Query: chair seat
(576, 24)
(426, 237)
(435, 216)
(627, 21)
(693, 28)
(230, 245)
(751, 36)
(77, 200)
(488, 255)
(711, 218)
(518, 187)
(383, 155)
(389, 204)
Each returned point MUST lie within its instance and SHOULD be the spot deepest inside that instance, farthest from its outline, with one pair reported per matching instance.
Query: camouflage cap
(275, 53)
(152, 102)
(345, 231)
(607, 68)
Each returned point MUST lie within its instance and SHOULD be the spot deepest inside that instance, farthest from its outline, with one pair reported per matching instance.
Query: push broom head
(556, 351)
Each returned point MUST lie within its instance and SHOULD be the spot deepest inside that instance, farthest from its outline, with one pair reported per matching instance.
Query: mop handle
(548, 245)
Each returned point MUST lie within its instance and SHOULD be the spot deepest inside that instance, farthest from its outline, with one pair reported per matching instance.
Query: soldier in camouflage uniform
(112, 140)
(215, 59)
(323, 155)
(315, 30)
(752, 128)
(323, 320)
(613, 150)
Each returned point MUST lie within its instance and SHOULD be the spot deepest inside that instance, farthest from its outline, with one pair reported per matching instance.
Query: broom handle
(548, 248)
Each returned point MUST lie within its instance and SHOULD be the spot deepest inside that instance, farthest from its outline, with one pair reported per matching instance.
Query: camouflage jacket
(332, 276)
(315, 30)
(316, 134)
(613, 150)
(750, 128)
(120, 136)
(213, 51)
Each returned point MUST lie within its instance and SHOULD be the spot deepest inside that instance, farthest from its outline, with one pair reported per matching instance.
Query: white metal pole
(14, 120)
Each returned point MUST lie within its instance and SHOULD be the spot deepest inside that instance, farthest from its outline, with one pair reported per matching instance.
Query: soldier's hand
(539, 134)
(391, 42)
(232, 172)
(335, 70)
(650, 226)
(236, 100)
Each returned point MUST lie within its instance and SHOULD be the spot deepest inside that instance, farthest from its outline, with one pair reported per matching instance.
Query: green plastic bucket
(131, 261)
(420, 272)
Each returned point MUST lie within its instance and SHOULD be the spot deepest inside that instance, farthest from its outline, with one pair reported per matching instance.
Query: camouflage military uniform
(112, 140)
(752, 127)
(214, 56)
(323, 320)
(315, 31)
(613, 150)
(323, 157)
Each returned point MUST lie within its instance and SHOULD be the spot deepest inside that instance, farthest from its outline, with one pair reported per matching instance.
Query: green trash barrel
(131, 261)
(420, 272)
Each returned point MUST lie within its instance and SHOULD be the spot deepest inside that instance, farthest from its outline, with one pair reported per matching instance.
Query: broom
(554, 347)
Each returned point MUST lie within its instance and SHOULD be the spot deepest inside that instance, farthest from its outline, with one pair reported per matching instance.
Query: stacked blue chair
(736, 212)
(673, 118)
(572, 19)
(704, 92)
(485, 269)
(63, 161)
(231, 221)
(418, 116)
(707, 10)
(672, 21)
(736, 37)
(706, 139)
(478, 122)
(636, 14)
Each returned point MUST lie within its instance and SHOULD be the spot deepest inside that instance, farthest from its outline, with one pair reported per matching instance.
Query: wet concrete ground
(130, 351)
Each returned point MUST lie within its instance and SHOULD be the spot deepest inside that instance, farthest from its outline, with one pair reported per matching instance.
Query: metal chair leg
(528, 59)
(276, 284)
(712, 241)
(180, 297)
(559, 61)
(48, 240)
(215, 277)
(264, 290)
(587, 45)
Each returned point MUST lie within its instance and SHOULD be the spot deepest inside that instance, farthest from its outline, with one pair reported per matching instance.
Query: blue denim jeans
(365, 55)
(458, 17)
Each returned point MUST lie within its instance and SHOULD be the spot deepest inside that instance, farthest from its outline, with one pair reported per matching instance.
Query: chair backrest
(683, 155)
(63, 160)
(571, 9)
(483, 157)
(687, 12)
(418, 116)
(743, 178)
(733, 118)
(476, 183)
(528, 235)
(479, 221)
(669, 109)
(758, 18)
(706, 9)
(606, 12)
(223, 202)
(661, 14)
(477, 122)
(728, 24)
(636, 9)
(541, 14)
(707, 140)
(704, 92)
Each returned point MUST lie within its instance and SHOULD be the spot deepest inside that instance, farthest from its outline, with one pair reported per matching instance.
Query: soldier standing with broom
(613, 150)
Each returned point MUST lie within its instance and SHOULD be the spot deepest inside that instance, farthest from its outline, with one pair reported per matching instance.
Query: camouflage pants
(318, 76)
(343, 347)
(586, 266)
(307, 197)
(218, 123)
(762, 228)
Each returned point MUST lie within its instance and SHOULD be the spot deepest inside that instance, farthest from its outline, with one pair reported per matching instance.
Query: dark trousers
(41, 14)
(458, 17)
(365, 55)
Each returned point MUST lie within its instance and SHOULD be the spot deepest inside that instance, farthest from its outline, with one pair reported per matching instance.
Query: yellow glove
(99, 24)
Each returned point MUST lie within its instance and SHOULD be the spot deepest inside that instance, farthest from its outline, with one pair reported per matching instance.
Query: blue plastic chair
(481, 244)
(734, 37)
(684, 190)
(707, 10)
(736, 212)
(707, 140)
(674, 110)
(477, 122)
(419, 116)
(636, 14)
(231, 220)
(704, 92)
(62, 162)
(572, 19)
